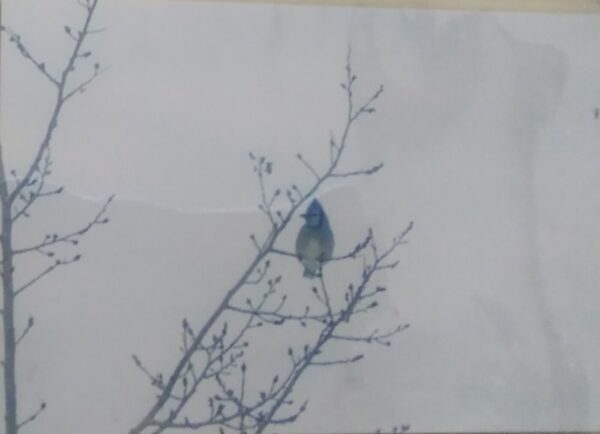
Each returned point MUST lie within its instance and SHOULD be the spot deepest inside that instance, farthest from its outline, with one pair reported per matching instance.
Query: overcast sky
(487, 130)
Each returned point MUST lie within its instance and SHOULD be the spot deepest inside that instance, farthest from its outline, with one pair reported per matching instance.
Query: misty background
(490, 145)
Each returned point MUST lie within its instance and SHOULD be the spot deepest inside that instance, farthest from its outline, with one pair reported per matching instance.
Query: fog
(486, 128)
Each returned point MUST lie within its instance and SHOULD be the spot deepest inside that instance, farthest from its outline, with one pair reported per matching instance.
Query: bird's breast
(313, 249)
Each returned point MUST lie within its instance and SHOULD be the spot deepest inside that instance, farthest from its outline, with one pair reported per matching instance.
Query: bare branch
(308, 166)
(33, 416)
(261, 273)
(155, 379)
(82, 87)
(374, 337)
(15, 38)
(57, 263)
(329, 330)
(96, 31)
(253, 238)
(24, 333)
(222, 355)
(326, 299)
(37, 184)
(29, 187)
(350, 255)
(338, 362)
(61, 85)
(367, 172)
(367, 106)
(71, 237)
(262, 168)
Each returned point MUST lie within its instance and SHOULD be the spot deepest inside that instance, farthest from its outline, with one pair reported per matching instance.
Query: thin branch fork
(370, 171)
(265, 398)
(57, 263)
(308, 166)
(25, 331)
(374, 337)
(350, 255)
(265, 167)
(38, 192)
(33, 416)
(16, 204)
(41, 66)
(44, 273)
(345, 361)
(70, 237)
(60, 97)
(261, 274)
(329, 331)
(337, 149)
(279, 395)
(275, 315)
(84, 84)
(242, 410)
(216, 354)
(327, 300)
(265, 248)
(218, 416)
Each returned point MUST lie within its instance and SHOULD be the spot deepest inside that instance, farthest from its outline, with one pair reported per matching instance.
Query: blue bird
(314, 245)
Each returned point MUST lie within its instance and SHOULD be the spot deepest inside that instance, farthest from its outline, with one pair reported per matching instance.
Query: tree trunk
(10, 385)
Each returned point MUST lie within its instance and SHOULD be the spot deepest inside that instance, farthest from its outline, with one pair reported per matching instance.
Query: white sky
(486, 128)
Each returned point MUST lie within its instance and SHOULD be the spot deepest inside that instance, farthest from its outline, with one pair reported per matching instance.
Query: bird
(315, 242)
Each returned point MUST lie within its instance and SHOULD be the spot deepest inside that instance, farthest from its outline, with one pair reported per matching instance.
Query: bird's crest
(315, 208)
(315, 215)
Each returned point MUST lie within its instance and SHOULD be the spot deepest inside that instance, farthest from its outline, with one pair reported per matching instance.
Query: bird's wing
(328, 245)
(301, 241)
(309, 245)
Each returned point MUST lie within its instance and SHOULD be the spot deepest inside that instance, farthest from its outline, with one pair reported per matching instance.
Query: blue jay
(314, 245)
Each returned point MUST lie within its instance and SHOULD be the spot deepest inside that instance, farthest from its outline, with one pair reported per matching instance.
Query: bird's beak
(309, 214)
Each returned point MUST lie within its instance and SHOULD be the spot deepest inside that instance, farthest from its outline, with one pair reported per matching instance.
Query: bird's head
(315, 216)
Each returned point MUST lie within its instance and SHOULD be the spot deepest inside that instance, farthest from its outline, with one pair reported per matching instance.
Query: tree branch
(16, 204)
(71, 237)
(60, 97)
(350, 255)
(38, 191)
(24, 333)
(370, 171)
(33, 416)
(308, 166)
(15, 38)
(338, 362)
(223, 356)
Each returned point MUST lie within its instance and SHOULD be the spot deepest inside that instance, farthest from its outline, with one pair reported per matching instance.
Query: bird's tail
(310, 274)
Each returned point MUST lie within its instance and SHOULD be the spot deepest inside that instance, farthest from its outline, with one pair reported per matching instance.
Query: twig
(370, 171)
(47, 271)
(374, 337)
(33, 416)
(308, 166)
(24, 333)
(70, 237)
(60, 100)
(230, 408)
(338, 362)
(350, 255)
(41, 66)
